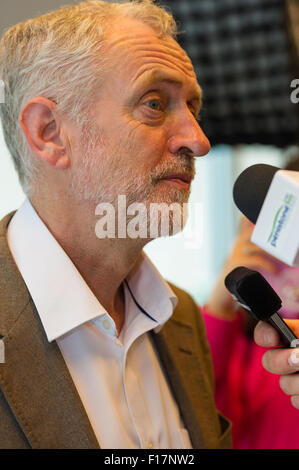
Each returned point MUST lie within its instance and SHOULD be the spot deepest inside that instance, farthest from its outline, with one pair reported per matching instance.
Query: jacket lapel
(186, 363)
(34, 377)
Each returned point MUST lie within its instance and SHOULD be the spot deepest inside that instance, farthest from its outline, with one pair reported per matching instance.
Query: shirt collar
(62, 298)
(152, 292)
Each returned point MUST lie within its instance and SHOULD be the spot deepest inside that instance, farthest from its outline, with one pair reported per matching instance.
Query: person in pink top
(262, 415)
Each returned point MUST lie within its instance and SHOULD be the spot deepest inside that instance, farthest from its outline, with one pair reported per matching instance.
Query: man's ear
(42, 128)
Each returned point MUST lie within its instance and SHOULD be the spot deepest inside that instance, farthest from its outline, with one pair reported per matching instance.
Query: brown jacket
(39, 404)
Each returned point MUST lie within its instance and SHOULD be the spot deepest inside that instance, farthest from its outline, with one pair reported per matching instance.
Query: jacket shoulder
(11, 435)
(14, 295)
(188, 312)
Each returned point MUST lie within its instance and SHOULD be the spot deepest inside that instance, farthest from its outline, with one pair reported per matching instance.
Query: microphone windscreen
(251, 187)
(253, 292)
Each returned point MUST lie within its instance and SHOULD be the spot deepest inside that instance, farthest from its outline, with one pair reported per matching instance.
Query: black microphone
(251, 187)
(254, 293)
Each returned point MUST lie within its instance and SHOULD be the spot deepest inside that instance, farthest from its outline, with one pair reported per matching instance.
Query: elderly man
(100, 101)
(99, 350)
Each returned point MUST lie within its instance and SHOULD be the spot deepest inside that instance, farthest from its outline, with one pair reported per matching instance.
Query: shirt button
(106, 324)
(150, 445)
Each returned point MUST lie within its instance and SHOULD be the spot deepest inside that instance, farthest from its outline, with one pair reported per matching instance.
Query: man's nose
(188, 135)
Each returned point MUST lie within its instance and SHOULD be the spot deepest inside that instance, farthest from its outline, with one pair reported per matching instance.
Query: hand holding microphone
(254, 293)
(269, 197)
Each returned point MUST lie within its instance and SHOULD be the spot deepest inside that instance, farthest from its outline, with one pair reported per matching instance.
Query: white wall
(15, 11)
(11, 193)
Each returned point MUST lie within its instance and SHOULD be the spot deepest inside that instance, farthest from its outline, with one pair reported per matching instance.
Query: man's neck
(103, 263)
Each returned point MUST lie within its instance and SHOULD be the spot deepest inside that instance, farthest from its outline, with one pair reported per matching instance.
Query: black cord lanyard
(137, 304)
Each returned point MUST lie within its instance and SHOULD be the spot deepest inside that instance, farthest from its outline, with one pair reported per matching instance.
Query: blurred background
(246, 54)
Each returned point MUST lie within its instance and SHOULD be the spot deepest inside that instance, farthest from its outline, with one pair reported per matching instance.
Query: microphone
(269, 197)
(251, 290)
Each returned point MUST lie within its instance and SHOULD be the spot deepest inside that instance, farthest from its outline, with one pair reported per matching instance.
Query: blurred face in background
(283, 278)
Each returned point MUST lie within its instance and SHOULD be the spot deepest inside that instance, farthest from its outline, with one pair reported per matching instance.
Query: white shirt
(119, 379)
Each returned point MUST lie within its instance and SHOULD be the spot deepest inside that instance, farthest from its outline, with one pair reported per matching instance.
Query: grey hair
(58, 56)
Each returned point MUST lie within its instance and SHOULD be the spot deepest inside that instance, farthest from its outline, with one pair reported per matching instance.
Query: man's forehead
(136, 40)
(165, 76)
(133, 36)
(142, 53)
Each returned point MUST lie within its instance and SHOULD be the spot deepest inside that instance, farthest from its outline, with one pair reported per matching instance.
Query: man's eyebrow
(155, 76)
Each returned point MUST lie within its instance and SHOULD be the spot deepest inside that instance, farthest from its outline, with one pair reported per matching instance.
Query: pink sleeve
(223, 336)
(250, 397)
(228, 348)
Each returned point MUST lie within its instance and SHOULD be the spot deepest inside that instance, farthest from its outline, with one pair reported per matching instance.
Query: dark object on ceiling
(245, 54)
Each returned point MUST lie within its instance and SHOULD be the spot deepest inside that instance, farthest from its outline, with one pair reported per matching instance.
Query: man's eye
(156, 104)
(195, 114)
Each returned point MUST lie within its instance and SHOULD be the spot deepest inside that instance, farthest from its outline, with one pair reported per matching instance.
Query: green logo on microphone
(281, 218)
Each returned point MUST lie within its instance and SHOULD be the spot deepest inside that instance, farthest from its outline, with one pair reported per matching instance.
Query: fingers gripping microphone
(254, 293)
(269, 197)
